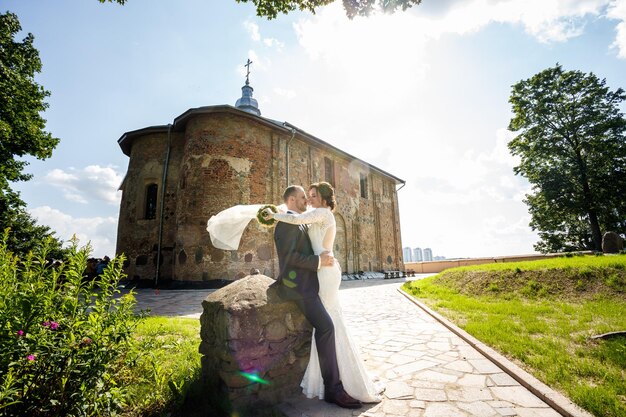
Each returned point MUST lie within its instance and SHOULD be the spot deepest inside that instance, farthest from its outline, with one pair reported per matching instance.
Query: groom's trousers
(314, 311)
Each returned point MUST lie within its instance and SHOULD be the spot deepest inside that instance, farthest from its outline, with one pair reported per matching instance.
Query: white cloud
(272, 42)
(91, 184)
(547, 21)
(255, 34)
(253, 30)
(326, 34)
(99, 231)
(463, 203)
(617, 10)
(287, 93)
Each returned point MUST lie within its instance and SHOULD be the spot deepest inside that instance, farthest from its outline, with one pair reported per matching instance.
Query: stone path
(427, 369)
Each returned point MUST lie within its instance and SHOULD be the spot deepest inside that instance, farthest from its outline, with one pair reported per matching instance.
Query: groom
(297, 281)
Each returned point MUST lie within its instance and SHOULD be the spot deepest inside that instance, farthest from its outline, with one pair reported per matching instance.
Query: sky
(422, 94)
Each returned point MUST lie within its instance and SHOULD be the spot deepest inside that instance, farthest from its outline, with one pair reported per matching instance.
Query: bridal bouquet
(263, 221)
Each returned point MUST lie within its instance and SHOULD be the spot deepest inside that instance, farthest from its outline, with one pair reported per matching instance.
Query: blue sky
(422, 94)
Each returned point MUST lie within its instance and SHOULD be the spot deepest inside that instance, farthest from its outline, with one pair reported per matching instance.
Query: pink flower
(53, 325)
(86, 341)
(20, 333)
(31, 357)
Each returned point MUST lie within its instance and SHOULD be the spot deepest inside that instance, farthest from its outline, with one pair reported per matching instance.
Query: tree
(271, 8)
(26, 235)
(572, 146)
(21, 129)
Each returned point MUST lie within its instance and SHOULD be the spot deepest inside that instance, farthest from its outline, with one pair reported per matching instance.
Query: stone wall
(255, 346)
(430, 267)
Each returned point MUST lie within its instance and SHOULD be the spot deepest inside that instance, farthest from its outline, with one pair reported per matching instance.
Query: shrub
(62, 340)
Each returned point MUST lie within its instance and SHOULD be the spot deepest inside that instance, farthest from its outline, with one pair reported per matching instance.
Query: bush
(62, 340)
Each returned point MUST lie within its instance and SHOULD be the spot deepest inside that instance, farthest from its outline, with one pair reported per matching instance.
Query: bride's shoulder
(325, 211)
(321, 209)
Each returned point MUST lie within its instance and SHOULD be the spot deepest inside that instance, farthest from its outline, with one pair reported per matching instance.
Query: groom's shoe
(342, 399)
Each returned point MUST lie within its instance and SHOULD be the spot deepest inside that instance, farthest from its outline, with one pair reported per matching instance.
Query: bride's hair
(326, 193)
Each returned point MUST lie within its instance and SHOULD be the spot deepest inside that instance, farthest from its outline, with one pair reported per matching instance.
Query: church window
(329, 170)
(151, 201)
(363, 185)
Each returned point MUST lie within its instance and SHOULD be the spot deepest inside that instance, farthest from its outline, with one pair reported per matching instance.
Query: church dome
(246, 102)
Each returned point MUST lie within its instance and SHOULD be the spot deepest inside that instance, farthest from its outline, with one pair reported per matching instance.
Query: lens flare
(254, 378)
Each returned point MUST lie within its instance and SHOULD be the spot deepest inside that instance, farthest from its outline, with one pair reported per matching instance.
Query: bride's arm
(314, 216)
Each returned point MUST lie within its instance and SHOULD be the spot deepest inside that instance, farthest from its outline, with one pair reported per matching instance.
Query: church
(214, 157)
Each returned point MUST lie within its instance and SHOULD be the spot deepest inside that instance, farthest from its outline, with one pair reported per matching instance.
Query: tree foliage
(26, 235)
(21, 102)
(21, 129)
(271, 8)
(572, 147)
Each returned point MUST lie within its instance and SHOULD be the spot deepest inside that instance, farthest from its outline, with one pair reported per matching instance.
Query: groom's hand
(326, 259)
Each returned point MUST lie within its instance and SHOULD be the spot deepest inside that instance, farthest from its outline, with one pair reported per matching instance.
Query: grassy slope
(541, 314)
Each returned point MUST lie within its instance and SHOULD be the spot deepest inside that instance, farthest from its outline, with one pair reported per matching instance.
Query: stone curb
(557, 401)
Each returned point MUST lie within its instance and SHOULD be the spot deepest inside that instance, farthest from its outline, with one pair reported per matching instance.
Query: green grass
(567, 261)
(540, 314)
(166, 372)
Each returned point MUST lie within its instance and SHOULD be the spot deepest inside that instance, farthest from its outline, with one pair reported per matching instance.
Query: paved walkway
(428, 370)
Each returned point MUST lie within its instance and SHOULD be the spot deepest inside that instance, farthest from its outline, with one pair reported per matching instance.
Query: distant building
(417, 255)
(428, 254)
(407, 253)
(439, 258)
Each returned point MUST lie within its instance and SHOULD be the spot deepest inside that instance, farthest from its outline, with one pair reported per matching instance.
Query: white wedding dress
(357, 383)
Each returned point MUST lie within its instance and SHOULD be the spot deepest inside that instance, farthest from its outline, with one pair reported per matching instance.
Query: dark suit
(297, 281)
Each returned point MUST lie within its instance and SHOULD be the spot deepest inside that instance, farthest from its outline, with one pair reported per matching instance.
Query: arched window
(329, 170)
(363, 183)
(151, 201)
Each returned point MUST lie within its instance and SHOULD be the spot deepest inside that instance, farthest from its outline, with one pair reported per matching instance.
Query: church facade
(211, 158)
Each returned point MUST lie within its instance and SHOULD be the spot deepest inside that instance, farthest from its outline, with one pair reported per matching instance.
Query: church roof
(178, 125)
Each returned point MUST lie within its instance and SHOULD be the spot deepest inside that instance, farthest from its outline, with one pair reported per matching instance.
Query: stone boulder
(612, 243)
(255, 346)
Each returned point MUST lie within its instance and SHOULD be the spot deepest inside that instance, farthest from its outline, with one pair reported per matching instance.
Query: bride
(322, 230)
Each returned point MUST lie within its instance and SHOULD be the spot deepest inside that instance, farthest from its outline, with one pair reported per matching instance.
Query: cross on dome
(248, 71)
